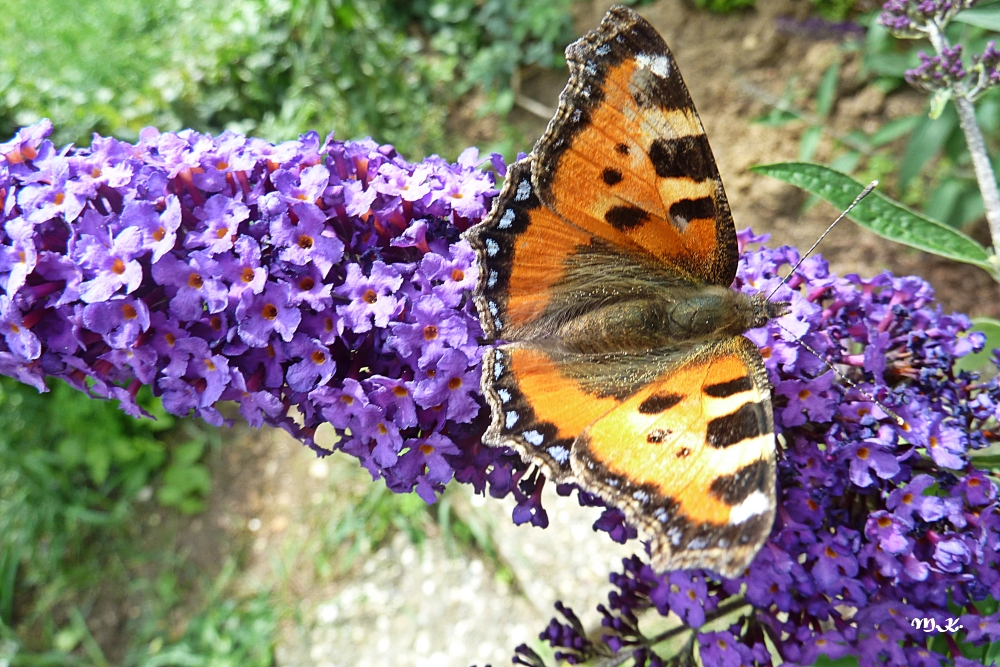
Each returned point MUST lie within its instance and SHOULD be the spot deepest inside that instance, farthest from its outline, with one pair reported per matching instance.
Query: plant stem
(977, 149)
(984, 173)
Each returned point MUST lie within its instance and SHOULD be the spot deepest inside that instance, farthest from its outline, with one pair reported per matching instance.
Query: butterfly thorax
(687, 314)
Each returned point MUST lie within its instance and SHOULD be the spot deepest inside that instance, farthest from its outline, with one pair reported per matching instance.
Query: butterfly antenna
(864, 193)
(899, 420)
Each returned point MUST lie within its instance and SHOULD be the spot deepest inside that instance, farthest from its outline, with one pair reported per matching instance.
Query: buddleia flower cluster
(942, 73)
(914, 18)
(886, 545)
(325, 282)
(311, 282)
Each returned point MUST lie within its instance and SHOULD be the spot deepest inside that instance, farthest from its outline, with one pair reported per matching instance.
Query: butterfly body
(605, 273)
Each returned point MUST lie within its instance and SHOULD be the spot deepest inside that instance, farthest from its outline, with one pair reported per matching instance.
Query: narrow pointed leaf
(983, 17)
(880, 214)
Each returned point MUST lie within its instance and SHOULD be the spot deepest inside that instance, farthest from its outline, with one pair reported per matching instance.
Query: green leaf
(981, 360)
(810, 142)
(926, 141)
(880, 214)
(983, 17)
(847, 162)
(941, 204)
(895, 129)
(826, 93)
(846, 661)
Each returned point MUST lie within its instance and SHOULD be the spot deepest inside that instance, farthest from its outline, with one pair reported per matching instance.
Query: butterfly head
(764, 311)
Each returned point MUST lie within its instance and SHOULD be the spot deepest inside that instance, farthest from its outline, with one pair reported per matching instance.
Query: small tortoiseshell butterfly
(605, 271)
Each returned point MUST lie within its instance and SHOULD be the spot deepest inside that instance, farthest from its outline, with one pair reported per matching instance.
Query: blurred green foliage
(72, 470)
(923, 162)
(272, 68)
(837, 10)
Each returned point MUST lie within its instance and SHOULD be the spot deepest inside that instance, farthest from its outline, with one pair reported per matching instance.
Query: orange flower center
(270, 311)
(318, 357)
(458, 275)
(430, 332)
(159, 234)
(863, 453)
(426, 450)
(247, 275)
(370, 296)
(454, 383)
(305, 242)
(118, 266)
(195, 281)
(307, 284)
(129, 311)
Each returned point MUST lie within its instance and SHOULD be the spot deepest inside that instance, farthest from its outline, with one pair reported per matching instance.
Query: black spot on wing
(622, 149)
(612, 176)
(657, 403)
(727, 389)
(735, 488)
(747, 422)
(625, 217)
(689, 157)
(693, 209)
(651, 90)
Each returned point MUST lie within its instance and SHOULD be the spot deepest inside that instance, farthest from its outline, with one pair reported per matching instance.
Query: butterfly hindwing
(691, 459)
(626, 157)
(537, 408)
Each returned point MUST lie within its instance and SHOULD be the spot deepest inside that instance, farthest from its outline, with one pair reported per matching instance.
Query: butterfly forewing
(626, 156)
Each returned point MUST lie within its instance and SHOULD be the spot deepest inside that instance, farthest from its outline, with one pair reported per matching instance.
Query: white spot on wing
(492, 247)
(504, 395)
(534, 437)
(494, 309)
(602, 50)
(492, 280)
(507, 219)
(658, 65)
(698, 543)
(497, 370)
(590, 68)
(641, 496)
(756, 503)
(511, 419)
(523, 191)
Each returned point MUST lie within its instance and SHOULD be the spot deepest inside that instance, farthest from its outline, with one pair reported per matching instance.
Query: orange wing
(690, 458)
(626, 157)
(538, 271)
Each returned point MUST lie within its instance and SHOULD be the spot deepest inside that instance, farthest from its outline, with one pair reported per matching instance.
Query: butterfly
(605, 272)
